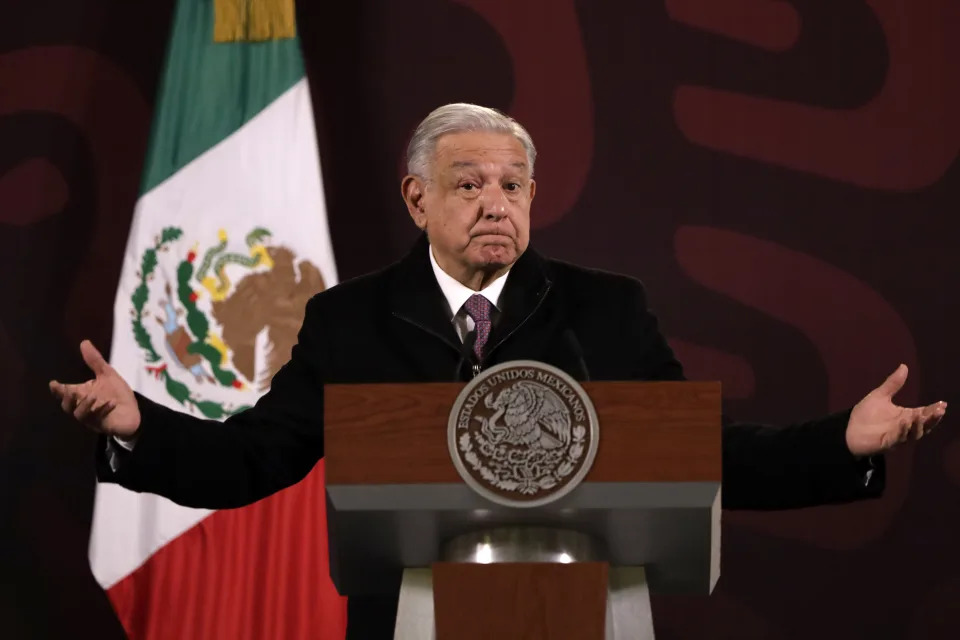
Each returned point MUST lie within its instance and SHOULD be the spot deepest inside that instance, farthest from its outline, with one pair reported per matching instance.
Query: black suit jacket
(392, 326)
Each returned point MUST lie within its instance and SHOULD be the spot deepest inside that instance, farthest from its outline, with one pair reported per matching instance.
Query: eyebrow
(464, 163)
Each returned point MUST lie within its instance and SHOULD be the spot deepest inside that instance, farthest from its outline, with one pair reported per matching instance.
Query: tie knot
(478, 308)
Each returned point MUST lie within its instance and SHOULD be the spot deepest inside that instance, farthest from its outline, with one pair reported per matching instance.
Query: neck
(479, 279)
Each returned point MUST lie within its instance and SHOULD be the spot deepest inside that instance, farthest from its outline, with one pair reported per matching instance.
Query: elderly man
(470, 294)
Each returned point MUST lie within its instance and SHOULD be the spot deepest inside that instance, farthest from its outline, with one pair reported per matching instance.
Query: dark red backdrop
(783, 177)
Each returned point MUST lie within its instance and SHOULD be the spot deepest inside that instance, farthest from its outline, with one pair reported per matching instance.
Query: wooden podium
(645, 519)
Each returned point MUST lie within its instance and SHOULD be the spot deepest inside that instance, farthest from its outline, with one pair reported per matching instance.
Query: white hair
(456, 118)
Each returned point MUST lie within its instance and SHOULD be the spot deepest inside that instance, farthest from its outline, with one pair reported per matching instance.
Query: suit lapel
(416, 297)
(526, 288)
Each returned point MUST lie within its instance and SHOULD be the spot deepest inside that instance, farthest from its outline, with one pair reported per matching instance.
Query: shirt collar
(457, 293)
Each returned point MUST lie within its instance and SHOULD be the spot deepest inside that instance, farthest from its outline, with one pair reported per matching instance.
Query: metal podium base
(415, 608)
(629, 615)
(628, 605)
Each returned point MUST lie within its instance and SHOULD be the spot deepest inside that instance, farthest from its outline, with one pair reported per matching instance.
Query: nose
(493, 203)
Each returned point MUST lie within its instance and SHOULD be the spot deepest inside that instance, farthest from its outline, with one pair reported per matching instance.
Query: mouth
(491, 236)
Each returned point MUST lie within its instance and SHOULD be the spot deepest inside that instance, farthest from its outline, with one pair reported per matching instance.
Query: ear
(533, 189)
(412, 188)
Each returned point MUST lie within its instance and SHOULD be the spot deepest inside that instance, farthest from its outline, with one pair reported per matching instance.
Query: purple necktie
(478, 308)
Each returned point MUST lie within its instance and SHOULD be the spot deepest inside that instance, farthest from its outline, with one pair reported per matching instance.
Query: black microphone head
(571, 339)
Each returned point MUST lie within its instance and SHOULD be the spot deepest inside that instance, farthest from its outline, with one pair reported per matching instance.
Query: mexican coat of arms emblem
(523, 434)
(215, 323)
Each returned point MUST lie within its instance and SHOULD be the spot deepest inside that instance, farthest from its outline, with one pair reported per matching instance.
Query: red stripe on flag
(257, 572)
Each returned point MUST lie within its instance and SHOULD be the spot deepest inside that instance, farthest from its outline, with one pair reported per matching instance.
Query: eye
(512, 186)
(468, 186)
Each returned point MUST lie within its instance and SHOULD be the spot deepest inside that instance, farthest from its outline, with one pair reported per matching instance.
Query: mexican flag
(229, 240)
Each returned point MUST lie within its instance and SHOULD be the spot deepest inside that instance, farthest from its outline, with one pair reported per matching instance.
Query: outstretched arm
(206, 463)
(833, 459)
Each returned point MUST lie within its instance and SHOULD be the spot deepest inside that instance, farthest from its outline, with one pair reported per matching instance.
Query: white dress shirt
(456, 294)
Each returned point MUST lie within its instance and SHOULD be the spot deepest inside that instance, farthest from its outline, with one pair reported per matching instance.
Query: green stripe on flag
(209, 90)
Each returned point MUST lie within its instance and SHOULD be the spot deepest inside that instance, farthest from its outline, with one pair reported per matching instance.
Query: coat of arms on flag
(214, 322)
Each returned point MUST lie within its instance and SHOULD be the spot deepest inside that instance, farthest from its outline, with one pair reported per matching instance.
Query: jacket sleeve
(767, 467)
(210, 464)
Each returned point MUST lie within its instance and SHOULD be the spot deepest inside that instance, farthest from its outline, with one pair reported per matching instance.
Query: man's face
(475, 206)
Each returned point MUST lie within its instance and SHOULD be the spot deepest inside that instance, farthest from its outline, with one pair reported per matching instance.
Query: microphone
(466, 350)
(571, 339)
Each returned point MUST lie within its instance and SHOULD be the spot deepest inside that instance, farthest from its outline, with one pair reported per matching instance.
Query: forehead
(469, 148)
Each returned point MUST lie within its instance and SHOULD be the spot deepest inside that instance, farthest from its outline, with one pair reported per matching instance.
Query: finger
(932, 415)
(68, 401)
(930, 425)
(102, 410)
(894, 382)
(56, 388)
(71, 394)
(93, 358)
(917, 425)
(905, 430)
(102, 407)
(908, 418)
(934, 411)
(83, 408)
(98, 413)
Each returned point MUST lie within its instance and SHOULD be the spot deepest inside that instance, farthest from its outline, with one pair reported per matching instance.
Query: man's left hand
(877, 424)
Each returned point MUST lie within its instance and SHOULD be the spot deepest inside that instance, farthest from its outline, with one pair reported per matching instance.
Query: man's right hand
(106, 403)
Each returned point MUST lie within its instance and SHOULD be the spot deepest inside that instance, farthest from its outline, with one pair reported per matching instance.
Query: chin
(497, 257)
